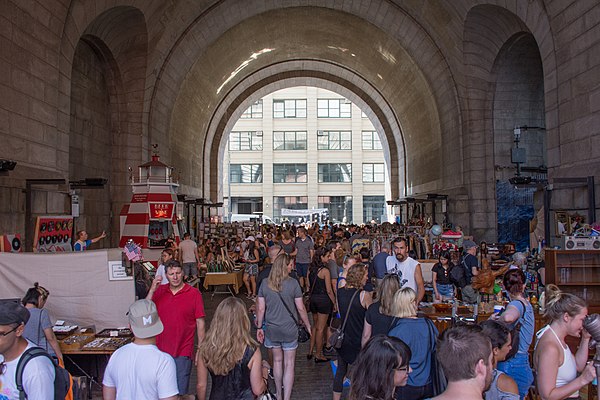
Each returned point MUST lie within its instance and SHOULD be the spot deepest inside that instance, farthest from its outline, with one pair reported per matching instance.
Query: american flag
(133, 252)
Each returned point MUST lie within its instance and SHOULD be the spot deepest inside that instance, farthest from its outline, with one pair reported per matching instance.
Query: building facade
(306, 148)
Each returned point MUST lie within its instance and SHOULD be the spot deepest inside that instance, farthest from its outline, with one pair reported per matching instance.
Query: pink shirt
(187, 248)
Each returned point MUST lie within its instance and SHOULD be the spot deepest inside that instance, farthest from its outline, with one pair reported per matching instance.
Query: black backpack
(458, 275)
(62, 378)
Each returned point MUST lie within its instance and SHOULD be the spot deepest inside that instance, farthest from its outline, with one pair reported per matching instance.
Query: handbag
(438, 378)
(303, 334)
(337, 337)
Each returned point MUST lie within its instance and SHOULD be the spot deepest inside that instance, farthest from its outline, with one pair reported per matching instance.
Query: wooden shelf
(582, 268)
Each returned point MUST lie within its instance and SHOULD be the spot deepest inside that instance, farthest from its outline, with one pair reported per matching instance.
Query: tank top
(494, 393)
(320, 287)
(236, 384)
(567, 371)
(354, 326)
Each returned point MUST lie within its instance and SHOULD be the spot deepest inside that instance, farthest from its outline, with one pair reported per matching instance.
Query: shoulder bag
(303, 335)
(438, 378)
(337, 337)
(306, 296)
(515, 334)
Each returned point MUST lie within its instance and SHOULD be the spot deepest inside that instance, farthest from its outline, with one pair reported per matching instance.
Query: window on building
(292, 108)
(374, 209)
(370, 140)
(373, 173)
(246, 205)
(245, 173)
(340, 208)
(246, 141)
(334, 140)
(291, 202)
(254, 111)
(334, 108)
(289, 173)
(289, 140)
(335, 173)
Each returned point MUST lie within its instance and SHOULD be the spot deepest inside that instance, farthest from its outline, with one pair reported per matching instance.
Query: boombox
(582, 243)
(11, 243)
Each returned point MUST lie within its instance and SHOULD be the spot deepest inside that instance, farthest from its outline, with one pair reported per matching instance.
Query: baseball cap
(144, 320)
(251, 238)
(469, 244)
(11, 312)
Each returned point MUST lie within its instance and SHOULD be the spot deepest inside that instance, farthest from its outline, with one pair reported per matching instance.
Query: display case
(576, 272)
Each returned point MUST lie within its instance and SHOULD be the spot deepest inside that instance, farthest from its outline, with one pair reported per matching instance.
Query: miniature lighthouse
(150, 219)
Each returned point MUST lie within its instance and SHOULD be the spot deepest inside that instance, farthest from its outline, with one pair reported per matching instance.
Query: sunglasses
(402, 369)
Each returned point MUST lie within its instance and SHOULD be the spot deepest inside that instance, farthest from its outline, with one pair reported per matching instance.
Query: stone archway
(384, 76)
(319, 75)
(488, 31)
(101, 115)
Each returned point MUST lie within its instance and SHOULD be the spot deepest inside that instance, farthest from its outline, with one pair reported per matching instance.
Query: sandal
(321, 360)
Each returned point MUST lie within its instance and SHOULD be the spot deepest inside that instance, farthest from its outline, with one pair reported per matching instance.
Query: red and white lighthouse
(150, 219)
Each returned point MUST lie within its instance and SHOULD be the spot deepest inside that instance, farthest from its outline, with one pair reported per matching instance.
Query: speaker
(12, 243)
(582, 243)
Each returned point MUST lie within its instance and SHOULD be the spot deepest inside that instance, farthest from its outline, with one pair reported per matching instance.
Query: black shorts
(320, 303)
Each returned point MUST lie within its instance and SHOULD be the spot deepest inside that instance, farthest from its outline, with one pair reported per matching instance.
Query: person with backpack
(37, 375)
(520, 318)
(470, 264)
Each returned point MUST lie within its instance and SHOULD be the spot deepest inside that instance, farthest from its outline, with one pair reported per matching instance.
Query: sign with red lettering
(161, 210)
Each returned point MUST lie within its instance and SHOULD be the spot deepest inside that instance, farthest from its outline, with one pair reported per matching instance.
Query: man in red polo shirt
(181, 310)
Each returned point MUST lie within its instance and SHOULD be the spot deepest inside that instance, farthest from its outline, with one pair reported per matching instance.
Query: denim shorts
(519, 369)
(286, 346)
(446, 290)
(302, 269)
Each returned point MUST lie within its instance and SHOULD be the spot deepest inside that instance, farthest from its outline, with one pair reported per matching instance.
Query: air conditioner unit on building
(582, 243)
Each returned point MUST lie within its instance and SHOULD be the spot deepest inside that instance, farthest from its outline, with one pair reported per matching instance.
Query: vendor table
(230, 279)
(71, 355)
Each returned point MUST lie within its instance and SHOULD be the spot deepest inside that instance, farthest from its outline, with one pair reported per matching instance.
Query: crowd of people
(389, 349)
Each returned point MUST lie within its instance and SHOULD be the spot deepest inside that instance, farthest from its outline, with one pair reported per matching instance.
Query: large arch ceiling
(423, 106)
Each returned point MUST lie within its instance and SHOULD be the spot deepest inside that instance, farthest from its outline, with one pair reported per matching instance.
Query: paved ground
(313, 381)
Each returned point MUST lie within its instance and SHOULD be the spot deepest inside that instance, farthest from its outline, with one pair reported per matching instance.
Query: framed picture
(563, 223)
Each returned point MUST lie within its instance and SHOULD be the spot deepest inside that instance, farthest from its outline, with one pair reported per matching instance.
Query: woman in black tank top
(321, 301)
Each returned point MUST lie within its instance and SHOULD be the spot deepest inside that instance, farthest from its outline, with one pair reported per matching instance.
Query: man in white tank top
(408, 269)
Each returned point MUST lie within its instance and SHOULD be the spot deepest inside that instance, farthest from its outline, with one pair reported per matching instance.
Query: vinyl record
(59, 238)
(16, 244)
(50, 226)
(67, 238)
(54, 239)
(43, 227)
(70, 225)
(48, 239)
(41, 241)
(57, 226)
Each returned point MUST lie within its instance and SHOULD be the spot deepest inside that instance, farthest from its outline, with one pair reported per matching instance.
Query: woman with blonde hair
(379, 319)
(233, 360)
(278, 306)
(557, 367)
(420, 335)
(354, 301)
